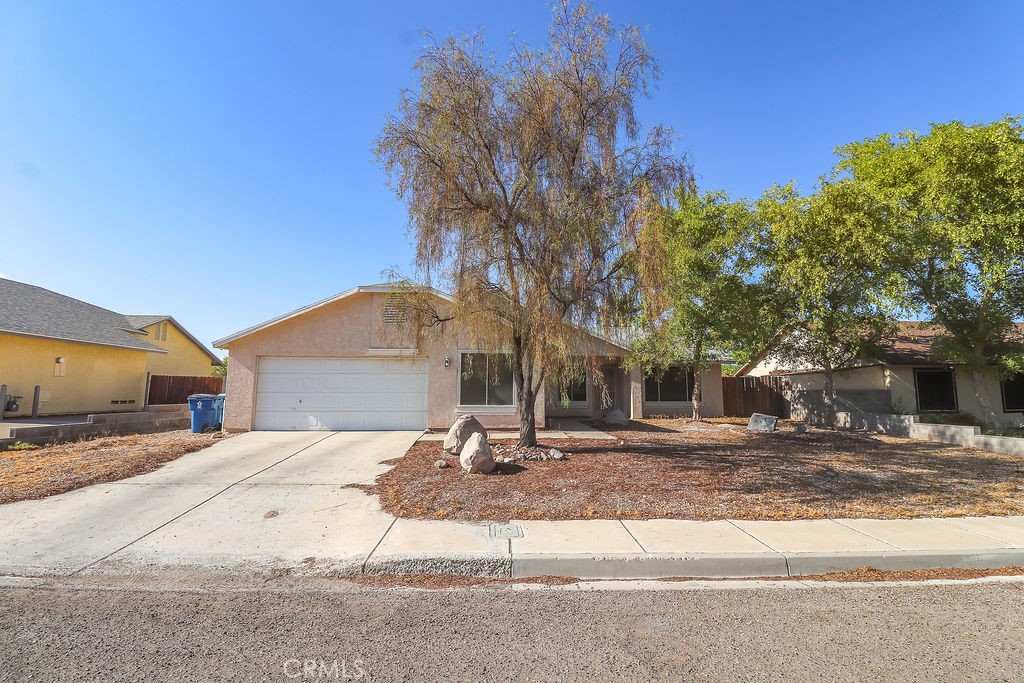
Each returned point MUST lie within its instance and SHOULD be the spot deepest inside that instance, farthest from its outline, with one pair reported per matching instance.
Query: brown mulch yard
(716, 470)
(49, 470)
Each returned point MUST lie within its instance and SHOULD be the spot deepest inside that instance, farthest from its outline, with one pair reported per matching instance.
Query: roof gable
(383, 288)
(144, 321)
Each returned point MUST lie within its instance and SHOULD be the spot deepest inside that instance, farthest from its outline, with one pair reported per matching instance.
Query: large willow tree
(529, 186)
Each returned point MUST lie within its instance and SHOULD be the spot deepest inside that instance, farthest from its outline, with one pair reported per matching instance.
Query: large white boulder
(476, 455)
(616, 417)
(459, 434)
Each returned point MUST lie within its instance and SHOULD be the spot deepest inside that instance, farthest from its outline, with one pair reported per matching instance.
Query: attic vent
(396, 311)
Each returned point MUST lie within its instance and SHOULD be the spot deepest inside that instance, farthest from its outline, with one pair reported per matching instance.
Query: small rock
(556, 454)
(441, 464)
(800, 428)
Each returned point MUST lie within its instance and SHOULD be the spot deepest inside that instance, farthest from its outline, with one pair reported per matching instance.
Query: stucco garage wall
(93, 376)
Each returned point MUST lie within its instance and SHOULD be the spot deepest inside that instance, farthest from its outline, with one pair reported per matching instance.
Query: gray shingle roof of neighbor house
(141, 321)
(33, 311)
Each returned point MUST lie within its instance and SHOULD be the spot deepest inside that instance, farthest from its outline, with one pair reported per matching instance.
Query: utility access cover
(506, 531)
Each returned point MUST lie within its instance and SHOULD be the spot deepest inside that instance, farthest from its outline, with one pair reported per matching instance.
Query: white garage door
(341, 393)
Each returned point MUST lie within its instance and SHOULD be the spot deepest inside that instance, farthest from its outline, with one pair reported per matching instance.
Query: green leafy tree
(954, 211)
(713, 303)
(222, 369)
(528, 185)
(826, 258)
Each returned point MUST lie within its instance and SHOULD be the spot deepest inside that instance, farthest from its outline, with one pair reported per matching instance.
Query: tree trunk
(526, 394)
(527, 419)
(989, 415)
(695, 398)
(830, 396)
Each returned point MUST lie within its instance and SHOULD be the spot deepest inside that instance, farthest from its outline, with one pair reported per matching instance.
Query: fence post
(35, 402)
(3, 400)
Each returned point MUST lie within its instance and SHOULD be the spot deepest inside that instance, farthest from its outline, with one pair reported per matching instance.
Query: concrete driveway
(257, 500)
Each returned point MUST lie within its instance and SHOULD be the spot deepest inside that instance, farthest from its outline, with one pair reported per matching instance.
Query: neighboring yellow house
(86, 359)
(185, 354)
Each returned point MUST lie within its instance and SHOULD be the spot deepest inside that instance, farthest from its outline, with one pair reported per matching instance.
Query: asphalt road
(872, 634)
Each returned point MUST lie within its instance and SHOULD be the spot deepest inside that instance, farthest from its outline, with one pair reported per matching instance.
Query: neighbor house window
(675, 385)
(1013, 393)
(486, 380)
(574, 392)
(936, 391)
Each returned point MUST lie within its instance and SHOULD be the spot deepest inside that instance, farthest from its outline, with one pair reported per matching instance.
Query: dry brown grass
(49, 470)
(863, 574)
(674, 469)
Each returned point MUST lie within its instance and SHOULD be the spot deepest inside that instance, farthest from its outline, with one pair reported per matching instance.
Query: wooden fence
(743, 396)
(176, 389)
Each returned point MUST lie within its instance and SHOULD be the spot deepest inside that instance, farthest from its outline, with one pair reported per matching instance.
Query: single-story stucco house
(84, 358)
(906, 378)
(357, 361)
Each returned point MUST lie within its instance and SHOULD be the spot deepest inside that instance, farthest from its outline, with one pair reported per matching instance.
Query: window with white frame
(485, 379)
(676, 385)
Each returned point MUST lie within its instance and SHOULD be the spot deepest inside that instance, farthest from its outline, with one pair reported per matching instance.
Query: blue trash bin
(219, 403)
(204, 412)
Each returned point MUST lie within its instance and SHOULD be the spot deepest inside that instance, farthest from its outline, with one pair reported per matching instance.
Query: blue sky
(212, 160)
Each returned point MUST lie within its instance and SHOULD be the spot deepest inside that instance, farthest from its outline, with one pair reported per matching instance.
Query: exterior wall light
(446, 361)
(60, 359)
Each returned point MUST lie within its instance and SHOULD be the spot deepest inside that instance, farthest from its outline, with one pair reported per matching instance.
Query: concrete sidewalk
(610, 549)
(277, 501)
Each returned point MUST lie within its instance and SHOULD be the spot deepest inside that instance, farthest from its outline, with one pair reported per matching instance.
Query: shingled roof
(37, 312)
(914, 344)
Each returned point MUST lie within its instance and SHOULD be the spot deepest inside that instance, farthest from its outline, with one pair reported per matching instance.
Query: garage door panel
(341, 393)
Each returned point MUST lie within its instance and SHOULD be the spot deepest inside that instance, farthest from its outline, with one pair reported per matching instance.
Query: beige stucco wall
(93, 376)
(904, 396)
(183, 357)
(712, 401)
(899, 380)
(872, 377)
(351, 328)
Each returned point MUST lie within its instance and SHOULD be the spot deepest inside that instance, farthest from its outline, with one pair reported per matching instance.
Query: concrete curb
(694, 565)
(490, 565)
(649, 566)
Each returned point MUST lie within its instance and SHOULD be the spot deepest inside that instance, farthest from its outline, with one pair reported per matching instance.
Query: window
(675, 385)
(486, 380)
(936, 391)
(574, 392)
(1013, 394)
